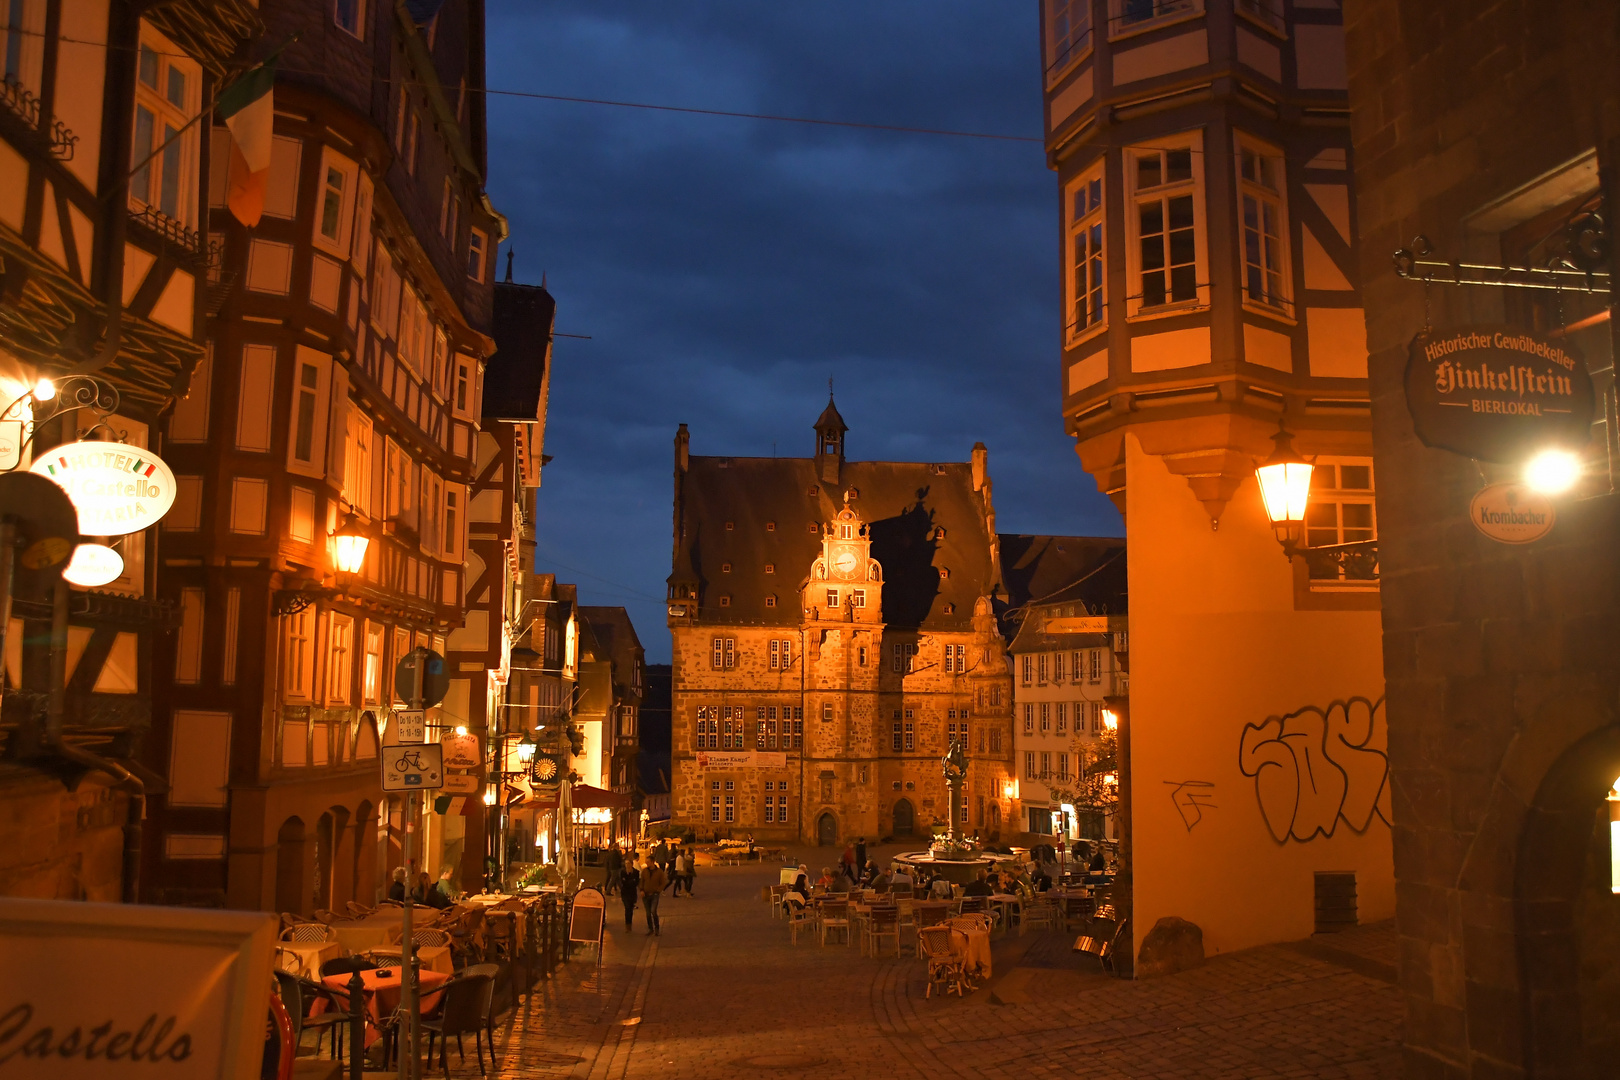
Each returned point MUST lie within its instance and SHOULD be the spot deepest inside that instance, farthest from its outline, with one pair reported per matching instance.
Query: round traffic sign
(421, 678)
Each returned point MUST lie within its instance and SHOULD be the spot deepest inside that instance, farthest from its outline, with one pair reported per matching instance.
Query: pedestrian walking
(653, 880)
(848, 862)
(615, 867)
(691, 871)
(629, 885)
(677, 875)
(860, 852)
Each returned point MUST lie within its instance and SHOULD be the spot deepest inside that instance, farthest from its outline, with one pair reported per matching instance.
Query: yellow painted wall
(1217, 645)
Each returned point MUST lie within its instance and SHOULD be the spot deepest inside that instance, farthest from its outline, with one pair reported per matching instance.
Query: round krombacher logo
(1512, 513)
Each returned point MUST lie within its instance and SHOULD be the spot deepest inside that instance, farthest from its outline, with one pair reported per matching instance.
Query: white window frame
(339, 242)
(298, 632)
(318, 397)
(1162, 193)
(1336, 496)
(477, 254)
(1266, 14)
(1164, 13)
(359, 453)
(1075, 17)
(1280, 306)
(167, 115)
(22, 53)
(371, 672)
(455, 520)
(1087, 256)
(339, 658)
(358, 7)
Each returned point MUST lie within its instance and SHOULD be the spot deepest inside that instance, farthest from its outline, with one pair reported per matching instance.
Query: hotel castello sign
(1497, 393)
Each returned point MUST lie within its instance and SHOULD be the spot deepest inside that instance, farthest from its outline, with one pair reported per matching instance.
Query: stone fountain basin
(956, 871)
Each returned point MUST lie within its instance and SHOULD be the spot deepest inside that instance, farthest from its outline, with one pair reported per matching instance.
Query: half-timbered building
(342, 383)
(494, 688)
(105, 261)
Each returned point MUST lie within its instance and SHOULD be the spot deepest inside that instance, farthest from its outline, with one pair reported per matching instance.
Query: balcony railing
(21, 101)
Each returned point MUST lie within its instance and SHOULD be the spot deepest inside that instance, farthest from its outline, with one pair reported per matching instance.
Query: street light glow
(1552, 472)
(349, 545)
(1285, 482)
(461, 729)
(44, 390)
(1110, 719)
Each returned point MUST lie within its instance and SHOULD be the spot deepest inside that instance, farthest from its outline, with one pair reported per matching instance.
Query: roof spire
(509, 253)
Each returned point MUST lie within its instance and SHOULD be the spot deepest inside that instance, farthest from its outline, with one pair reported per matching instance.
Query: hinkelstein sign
(1497, 393)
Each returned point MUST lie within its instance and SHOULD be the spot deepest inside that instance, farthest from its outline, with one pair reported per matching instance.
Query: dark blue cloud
(726, 268)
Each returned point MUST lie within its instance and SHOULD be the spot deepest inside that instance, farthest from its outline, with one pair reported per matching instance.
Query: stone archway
(293, 886)
(1568, 919)
(826, 829)
(905, 818)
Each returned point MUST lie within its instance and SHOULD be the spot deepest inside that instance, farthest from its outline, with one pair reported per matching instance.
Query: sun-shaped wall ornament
(546, 769)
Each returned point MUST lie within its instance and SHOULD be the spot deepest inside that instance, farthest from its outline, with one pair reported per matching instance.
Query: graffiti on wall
(1191, 798)
(1317, 767)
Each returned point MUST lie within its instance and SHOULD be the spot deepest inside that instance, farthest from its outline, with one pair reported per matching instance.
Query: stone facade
(1483, 127)
(833, 629)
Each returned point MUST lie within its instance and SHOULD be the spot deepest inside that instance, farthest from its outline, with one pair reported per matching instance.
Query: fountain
(954, 857)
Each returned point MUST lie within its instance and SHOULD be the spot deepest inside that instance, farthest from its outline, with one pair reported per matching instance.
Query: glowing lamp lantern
(1285, 487)
(489, 796)
(1614, 838)
(526, 748)
(1110, 719)
(1552, 472)
(349, 545)
(94, 565)
(44, 390)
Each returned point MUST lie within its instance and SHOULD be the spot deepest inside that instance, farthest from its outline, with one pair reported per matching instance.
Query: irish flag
(248, 108)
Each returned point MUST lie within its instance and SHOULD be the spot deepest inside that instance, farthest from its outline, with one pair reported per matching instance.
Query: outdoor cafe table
(1009, 903)
(432, 957)
(973, 946)
(383, 989)
(306, 957)
(375, 930)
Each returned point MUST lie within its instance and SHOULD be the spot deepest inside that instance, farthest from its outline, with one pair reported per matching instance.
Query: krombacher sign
(1497, 393)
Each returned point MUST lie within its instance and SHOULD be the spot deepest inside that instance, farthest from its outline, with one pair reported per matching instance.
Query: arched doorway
(321, 894)
(905, 818)
(827, 830)
(291, 882)
(1565, 908)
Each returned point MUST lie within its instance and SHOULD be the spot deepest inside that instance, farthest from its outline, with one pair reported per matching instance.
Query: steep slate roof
(616, 640)
(1067, 570)
(902, 502)
(515, 375)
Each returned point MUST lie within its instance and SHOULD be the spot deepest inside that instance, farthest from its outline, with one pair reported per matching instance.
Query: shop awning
(583, 797)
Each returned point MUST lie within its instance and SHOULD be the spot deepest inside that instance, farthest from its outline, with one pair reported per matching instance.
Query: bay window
(1260, 194)
(1086, 266)
(1164, 226)
(1068, 34)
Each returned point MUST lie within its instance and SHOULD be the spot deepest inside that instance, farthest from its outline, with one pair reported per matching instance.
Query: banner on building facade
(1497, 393)
(741, 759)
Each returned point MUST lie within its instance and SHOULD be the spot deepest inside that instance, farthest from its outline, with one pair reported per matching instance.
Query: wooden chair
(775, 895)
(974, 904)
(309, 931)
(429, 936)
(328, 917)
(382, 959)
(944, 965)
(885, 923)
(800, 918)
(357, 911)
(931, 913)
(464, 1003)
(834, 916)
(494, 972)
(1039, 913)
(1076, 910)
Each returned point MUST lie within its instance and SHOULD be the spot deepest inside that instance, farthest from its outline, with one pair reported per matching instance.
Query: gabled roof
(776, 507)
(829, 418)
(615, 640)
(1086, 573)
(514, 378)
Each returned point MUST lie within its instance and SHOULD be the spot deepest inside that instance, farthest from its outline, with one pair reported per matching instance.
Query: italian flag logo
(248, 108)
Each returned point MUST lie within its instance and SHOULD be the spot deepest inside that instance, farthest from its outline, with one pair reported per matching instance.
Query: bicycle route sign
(413, 768)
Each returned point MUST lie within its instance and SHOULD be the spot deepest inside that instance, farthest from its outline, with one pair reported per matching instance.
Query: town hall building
(834, 629)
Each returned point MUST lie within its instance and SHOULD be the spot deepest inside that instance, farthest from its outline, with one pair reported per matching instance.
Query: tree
(1094, 788)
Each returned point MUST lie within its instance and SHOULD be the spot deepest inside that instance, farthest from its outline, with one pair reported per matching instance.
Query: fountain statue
(955, 766)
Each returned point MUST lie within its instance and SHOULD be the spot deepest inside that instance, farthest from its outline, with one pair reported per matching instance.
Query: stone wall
(61, 844)
(1502, 663)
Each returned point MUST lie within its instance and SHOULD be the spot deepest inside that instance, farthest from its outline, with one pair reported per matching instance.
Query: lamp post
(349, 544)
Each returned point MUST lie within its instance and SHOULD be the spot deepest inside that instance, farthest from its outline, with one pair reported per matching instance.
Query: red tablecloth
(384, 989)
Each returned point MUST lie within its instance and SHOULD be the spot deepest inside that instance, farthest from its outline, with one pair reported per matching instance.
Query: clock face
(844, 563)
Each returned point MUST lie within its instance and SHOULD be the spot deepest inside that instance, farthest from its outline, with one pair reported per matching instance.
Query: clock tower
(845, 583)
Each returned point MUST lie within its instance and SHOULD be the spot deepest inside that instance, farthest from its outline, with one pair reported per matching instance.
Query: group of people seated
(441, 895)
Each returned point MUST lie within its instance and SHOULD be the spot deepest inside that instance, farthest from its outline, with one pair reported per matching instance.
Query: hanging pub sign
(1497, 393)
(115, 487)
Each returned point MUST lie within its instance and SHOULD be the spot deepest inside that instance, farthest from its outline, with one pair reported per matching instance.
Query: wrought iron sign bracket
(1411, 265)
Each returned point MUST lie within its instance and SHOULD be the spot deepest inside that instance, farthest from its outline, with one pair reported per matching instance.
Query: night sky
(726, 268)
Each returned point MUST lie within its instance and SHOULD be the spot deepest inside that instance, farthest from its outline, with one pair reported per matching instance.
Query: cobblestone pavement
(722, 993)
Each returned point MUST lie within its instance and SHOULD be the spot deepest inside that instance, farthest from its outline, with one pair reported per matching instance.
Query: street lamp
(1110, 719)
(1552, 472)
(1285, 489)
(526, 747)
(349, 545)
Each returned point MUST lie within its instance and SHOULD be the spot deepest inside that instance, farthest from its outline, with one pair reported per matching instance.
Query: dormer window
(725, 601)
(944, 572)
(725, 568)
(770, 568)
(770, 526)
(939, 532)
(730, 526)
(770, 600)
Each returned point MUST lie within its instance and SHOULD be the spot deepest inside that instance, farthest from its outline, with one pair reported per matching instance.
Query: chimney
(981, 465)
(683, 441)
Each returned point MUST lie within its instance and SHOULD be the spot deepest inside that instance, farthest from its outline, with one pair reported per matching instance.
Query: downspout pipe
(123, 779)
